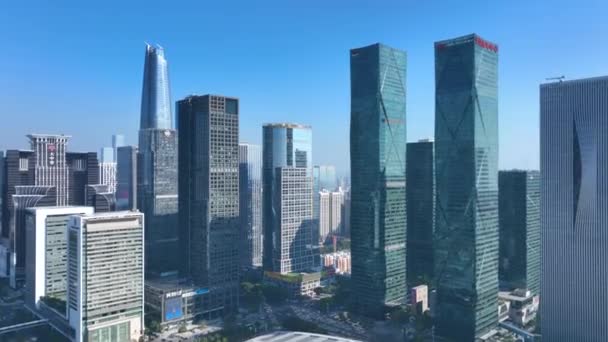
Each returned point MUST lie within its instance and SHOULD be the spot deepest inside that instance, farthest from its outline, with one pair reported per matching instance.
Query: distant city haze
(77, 68)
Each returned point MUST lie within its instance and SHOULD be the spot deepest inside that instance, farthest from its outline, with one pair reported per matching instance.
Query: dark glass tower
(377, 150)
(519, 222)
(209, 197)
(466, 178)
(250, 204)
(574, 210)
(420, 212)
(157, 168)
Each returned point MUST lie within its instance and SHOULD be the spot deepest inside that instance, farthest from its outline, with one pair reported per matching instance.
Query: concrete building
(106, 276)
(50, 165)
(107, 168)
(209, 197)
(574, 209)
(250, 204)
(293, 238)
(377, 164)
(331, 211)
(46, 252)
(465, 242)
(296, 284)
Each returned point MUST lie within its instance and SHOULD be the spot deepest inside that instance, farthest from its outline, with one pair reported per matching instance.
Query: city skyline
(322, 74)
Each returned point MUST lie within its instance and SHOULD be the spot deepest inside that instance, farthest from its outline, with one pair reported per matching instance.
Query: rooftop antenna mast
(558, 78)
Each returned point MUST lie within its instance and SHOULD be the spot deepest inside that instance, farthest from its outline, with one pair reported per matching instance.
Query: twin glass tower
(465, 232)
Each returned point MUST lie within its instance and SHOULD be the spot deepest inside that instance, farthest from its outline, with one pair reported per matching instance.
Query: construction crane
(558, 78)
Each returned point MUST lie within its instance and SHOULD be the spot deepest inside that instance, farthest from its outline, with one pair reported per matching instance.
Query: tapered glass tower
(157, 167)
(377, 149)
(466, 177)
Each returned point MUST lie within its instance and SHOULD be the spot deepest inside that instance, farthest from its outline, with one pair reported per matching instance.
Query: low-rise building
(419, 298)
(296, 284)
(172, 301)
(523, 305)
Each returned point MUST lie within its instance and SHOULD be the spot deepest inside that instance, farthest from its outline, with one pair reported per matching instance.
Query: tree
(318, 290)
(274, 294)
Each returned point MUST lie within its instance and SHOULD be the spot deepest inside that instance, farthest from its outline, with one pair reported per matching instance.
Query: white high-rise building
(106, 276)
(107, 168)
(331, 209)
(46, 251)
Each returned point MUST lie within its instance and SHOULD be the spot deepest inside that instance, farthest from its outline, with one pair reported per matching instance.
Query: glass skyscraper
(519, 222)
(287, 146)
(209, 197)
(574, 210)
(420, 211)
(250, 204)
(466, 180)
(157, 167)
(377, 150)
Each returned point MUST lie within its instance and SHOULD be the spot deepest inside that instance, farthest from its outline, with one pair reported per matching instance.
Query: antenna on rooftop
(558, 78)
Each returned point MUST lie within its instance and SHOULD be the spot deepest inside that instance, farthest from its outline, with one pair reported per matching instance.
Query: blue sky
(76, 67)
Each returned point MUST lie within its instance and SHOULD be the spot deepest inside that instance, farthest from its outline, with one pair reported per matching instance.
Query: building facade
(105, 294)
(126, 178)
(107, 167)
(157, 167)
(50, 165)
(519, 223)
(250, 204)
(466, 180)
(26, 196)
(209, 196)
(420, 212)
(377, 150)
(574, 209)
(46, 252)
(285, 145)
(101, 198)
(294, 236)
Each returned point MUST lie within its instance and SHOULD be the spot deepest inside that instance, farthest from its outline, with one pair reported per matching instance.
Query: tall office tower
(294, 237)
(466, 186)
(337, 212)
(26, 196)
(118, 140)
(126, 178)
(250, 204)
(83, 170)
(105, 294)
(324, 215)
(284, 145)
(377, 150)
(2, 190)
(323, 177)
(157, 167)
(346, 216)
(209, 196)
(51, 167)
(331, 212)
(46, 265)
(574, 209)
(100, 198)
(107, 168)
(519, 230)
(420, 197)
(17, 171)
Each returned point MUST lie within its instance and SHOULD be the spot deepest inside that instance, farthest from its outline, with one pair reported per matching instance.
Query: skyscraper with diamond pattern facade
(377, 150)
(466, 178)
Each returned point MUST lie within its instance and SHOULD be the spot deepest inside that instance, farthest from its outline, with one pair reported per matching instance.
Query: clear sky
(76, 67)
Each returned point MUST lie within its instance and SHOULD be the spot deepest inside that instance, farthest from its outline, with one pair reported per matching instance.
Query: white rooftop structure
(297, 336)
